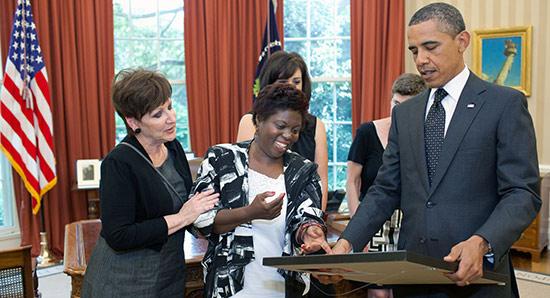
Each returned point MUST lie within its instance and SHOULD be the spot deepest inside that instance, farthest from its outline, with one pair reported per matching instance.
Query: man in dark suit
(461, 163)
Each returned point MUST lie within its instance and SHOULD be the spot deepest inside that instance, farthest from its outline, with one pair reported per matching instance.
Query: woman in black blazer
(145, 182)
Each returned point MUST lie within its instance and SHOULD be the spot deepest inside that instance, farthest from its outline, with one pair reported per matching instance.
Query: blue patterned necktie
(434, 132)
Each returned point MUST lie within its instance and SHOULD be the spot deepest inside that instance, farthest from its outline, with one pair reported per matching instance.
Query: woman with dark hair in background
(145, 182)
(269, 202)
(312, 144)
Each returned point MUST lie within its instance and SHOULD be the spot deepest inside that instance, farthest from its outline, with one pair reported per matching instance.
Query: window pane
(2, 199)
(323, 62)
(343, 58)
(321, 100)
(179, 101)
(322, 18)
(343, 100)
(299, 47)
(295, 17)
(143, 19)
(171, 19)
(343, 18)
(330, 141)
(133, 53)
(343, 141)
(6, 195)
(331, 177)
(340, 177)
(172, 63)
(120, 129)
(121, 19)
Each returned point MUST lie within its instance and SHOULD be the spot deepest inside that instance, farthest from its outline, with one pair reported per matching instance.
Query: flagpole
(269, 27)
(45, 259)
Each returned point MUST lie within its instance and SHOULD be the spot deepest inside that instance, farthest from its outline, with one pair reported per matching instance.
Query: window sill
(9, 233)
(9, 238)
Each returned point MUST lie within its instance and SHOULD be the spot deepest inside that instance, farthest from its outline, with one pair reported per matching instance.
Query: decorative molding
(544, 169)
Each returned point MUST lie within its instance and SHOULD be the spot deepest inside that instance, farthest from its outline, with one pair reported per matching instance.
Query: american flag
(26, 128)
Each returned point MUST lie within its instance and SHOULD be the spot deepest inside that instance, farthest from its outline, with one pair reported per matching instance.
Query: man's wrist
(486, 246)
(345, 245)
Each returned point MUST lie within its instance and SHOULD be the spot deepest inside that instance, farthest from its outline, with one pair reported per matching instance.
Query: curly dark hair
(279, 97)
(282, 65)
(136, 92)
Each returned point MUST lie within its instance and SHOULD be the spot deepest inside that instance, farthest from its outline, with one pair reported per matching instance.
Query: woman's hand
(198, 204)
(314, 239)
(195, 206)
(261, 208)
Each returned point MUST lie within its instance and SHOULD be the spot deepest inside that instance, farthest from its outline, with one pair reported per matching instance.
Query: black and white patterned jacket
(225, 168)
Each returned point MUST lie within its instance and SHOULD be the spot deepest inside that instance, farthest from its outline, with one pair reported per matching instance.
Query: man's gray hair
(448, 17)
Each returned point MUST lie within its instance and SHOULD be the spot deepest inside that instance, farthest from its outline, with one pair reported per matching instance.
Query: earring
(137, 130)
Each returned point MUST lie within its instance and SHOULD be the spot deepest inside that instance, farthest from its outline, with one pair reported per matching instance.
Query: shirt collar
(455, 86)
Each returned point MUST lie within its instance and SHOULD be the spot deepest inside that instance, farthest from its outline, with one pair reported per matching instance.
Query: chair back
(16, 273)
(80, 240)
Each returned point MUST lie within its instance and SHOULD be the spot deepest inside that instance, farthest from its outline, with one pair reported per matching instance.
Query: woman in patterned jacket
(269, 203)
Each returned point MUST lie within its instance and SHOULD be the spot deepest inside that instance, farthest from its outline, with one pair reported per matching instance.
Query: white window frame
(12, 230)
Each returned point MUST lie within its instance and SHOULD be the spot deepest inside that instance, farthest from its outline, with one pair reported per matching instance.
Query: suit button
(422, 240)
(430, 204)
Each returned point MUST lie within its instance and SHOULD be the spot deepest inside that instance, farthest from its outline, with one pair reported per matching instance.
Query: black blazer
(134, 198)
(486, 182)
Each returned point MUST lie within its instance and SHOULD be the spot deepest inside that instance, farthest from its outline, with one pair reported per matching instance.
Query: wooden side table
(534, 239)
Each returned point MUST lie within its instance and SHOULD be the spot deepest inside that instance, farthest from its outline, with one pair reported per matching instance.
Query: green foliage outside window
(319, 31)
(149, 34)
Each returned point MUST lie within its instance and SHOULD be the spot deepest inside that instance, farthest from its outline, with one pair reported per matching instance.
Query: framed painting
(503, 56)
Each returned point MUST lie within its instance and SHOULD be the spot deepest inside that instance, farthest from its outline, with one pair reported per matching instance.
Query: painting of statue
(502, 56)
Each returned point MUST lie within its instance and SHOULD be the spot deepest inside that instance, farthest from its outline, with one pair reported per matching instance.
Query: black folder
(381, 268)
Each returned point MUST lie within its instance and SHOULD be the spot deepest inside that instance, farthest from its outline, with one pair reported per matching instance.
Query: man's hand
(469, 254)
(341, 247)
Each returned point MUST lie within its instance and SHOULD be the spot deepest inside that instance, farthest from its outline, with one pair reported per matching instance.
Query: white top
(454, 88)
(268, 237)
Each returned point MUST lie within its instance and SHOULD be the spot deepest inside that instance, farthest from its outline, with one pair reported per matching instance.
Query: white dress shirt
(454, 88)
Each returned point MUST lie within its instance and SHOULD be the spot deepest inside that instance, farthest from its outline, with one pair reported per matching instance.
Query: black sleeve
(118, 211)
(360, 146)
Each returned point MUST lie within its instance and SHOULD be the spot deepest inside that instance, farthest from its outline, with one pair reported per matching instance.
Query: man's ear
(463, 40)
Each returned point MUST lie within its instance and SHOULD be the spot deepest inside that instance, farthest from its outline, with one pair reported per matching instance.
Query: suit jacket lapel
(469, 104)
(416, 118)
